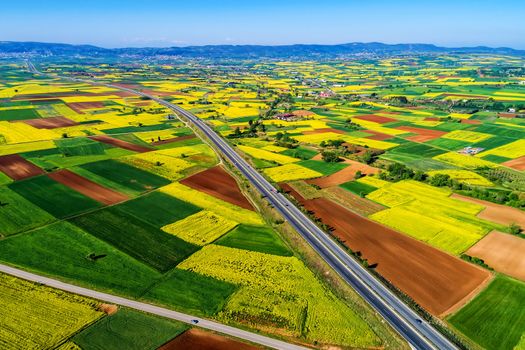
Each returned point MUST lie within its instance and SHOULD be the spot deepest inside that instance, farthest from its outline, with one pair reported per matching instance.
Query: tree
(514, 229)
(330, 157)
(358, 175)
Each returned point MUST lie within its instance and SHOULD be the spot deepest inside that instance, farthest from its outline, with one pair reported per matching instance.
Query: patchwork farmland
(412, 164)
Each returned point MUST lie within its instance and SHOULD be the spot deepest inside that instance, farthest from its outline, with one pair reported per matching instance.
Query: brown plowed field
(423, 135)
(87, 187)
(18, 168)
(197, 339)
(174, 139)
(503, 252)
(119, 143)
(518, 163)
(322, 131)
(471, 121)
(375, 118)
(50, 123)
(218, 183)
(436, 280)
(79, 107)
(498, 213)
(377, 135)
(347, 199)
(345, 175)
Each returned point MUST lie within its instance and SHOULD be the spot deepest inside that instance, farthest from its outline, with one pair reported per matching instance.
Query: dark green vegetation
(495, 319)
(79, 147)
(136, 237)
(134, 179)
(255, 238)
(62, 249)
(300, 152)
(14, 215)
(323, 167)
(358, 188)
(191, 291)
(55, 198)
(19, 114)
(158, 209)
(129, 329)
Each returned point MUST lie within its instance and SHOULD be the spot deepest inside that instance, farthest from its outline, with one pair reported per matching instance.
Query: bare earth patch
(503, 252)
(87, 187)
(197, 339)
(518, 163)
(49, 123)
(17, 168)
(344, 175)
(119, 143)
(422, 135)
(435, 280)
(376, 118)
(218, 183)
(498, 213)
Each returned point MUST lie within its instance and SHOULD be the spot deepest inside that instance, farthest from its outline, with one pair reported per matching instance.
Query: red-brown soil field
(518, 163)
(375, 118)
(49, 123)
(434, 279)
(498, 213)
(218, 183)
(345, 175)
(80, 106)
(119, 143)
(87, 187)
(196, 339)
(17, 168)
(503, 252)
(423, 135)
(376, 135)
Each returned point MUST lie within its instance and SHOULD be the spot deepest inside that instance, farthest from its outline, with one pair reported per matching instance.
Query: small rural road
(174, 315)
(417, 332)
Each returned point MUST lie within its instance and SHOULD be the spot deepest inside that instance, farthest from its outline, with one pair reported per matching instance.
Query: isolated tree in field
(330, 157)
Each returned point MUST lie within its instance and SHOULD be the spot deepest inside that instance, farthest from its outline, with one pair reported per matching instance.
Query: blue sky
(112, 23)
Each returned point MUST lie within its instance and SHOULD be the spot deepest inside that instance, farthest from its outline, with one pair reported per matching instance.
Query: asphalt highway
(417, 332)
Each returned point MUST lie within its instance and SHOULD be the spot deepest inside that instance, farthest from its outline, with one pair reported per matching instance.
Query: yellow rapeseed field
(280, 291)
(38, 317)
(514, 149)
(465, 135)
(464, 176)
(428, 213)
(463, 160)
(213, 204)
(267, 155)
(201, 228)
(290, 172)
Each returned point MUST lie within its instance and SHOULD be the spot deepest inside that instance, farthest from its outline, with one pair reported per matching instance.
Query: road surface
(417, 332)
(174, 315)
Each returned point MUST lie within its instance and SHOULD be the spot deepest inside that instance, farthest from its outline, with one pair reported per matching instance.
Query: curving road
(417, 332)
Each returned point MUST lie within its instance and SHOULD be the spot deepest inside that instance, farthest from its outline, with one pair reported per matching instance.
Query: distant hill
(247, 51)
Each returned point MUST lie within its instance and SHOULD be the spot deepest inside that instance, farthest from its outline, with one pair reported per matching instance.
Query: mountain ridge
(247, 51)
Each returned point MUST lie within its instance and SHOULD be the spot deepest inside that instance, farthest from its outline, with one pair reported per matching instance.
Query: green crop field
(158, 209)
(53, 197)
(129, 329)
(79, 147)
(358, 188)
(495, 319)
(14, 211)
(300, 152)
(134, 179)
(64, 250)
(323, 167)
(256, 238)
(190, 291)
(135, 237)
(19, 114)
